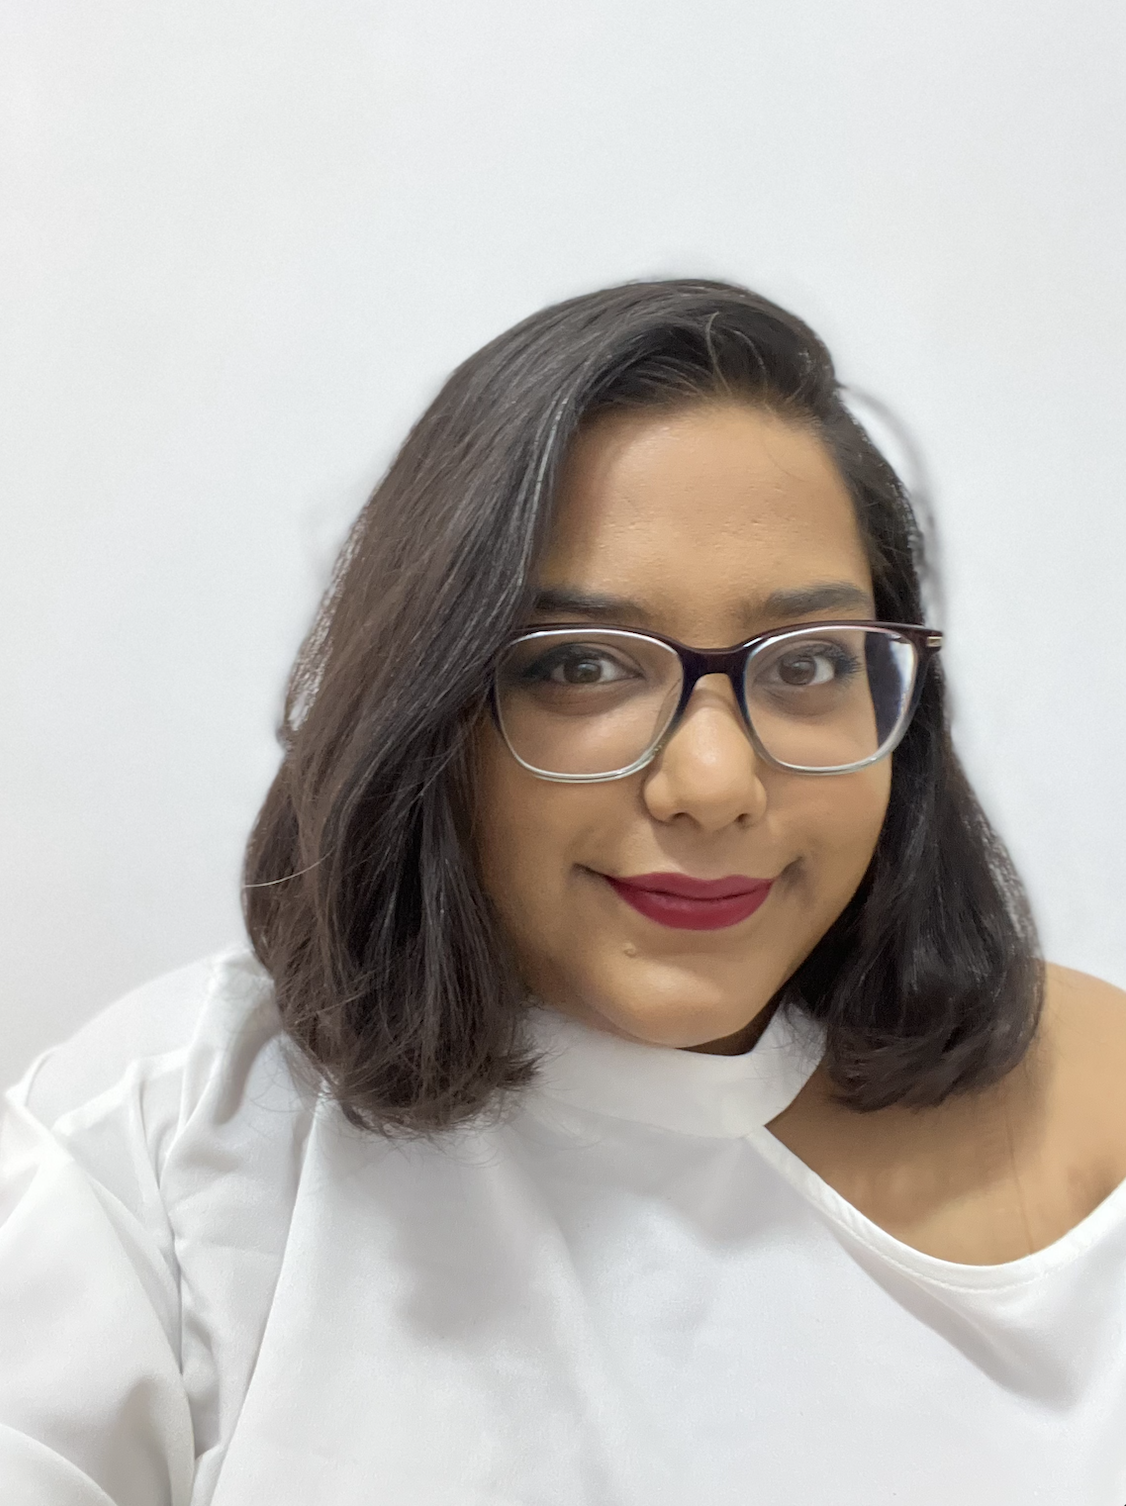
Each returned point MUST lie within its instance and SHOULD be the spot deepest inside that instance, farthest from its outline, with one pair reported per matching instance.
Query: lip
(690, 904)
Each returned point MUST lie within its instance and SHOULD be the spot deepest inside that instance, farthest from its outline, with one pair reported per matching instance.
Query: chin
(676, 1011)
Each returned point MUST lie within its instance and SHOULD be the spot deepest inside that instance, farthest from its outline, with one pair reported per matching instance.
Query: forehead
(699, 514)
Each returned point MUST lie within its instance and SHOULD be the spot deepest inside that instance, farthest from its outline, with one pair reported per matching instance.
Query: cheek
(526, 834)
(843, 820)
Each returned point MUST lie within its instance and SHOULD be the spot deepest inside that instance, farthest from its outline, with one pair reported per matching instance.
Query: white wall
(241, 241)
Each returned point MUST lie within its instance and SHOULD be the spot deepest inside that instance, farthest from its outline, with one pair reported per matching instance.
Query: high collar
(686, 1091)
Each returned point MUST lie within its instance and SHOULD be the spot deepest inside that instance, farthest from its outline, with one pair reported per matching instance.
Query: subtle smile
(688, 904)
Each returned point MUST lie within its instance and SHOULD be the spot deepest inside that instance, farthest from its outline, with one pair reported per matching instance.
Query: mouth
(687, 904)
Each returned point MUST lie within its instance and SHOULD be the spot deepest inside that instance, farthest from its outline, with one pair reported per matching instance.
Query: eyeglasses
(580, 704)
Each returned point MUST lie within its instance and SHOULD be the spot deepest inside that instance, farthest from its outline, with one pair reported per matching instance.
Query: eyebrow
(792, 602)
(828, 596)
(562, 601)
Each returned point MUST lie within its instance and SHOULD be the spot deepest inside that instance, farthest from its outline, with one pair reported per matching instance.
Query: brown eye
(579, 665)
(582, 671)
(802, 669)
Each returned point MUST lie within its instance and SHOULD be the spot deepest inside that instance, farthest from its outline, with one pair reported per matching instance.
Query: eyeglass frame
(695, 663)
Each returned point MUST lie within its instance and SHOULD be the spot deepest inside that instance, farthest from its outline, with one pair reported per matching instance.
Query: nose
(708, 770)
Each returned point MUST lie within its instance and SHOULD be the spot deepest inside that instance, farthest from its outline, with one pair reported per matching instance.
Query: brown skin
(697, 516)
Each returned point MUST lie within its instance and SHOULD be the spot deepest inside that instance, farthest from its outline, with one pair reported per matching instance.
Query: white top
(214, 1291)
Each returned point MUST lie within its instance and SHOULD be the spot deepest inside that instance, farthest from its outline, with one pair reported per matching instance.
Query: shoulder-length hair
(361, 895)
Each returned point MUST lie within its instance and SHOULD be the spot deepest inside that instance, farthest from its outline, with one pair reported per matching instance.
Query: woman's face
(708, 524)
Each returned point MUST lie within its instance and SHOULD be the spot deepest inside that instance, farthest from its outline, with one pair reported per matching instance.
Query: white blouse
(626, 1293)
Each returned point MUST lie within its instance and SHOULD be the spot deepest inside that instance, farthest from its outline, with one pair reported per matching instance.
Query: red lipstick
(674, 899)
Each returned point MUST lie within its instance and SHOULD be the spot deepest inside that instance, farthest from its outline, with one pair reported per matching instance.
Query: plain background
(242, 242)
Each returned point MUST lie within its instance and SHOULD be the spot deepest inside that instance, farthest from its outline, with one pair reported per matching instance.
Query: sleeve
(93, 1409)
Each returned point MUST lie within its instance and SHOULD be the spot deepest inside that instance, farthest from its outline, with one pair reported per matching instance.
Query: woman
(644, 1087)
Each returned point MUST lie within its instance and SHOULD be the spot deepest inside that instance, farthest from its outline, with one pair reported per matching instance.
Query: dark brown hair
(361, 896)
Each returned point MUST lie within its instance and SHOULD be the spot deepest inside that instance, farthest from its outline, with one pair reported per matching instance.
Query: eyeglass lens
(583, 703)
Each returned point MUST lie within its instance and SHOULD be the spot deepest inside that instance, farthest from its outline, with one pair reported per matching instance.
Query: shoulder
(988, 1177)
(1083, 1030)
(155, 1030)
(1081, 996)
(1082, 1047)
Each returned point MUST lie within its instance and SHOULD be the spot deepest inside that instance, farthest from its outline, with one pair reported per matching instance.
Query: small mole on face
(629, 949)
